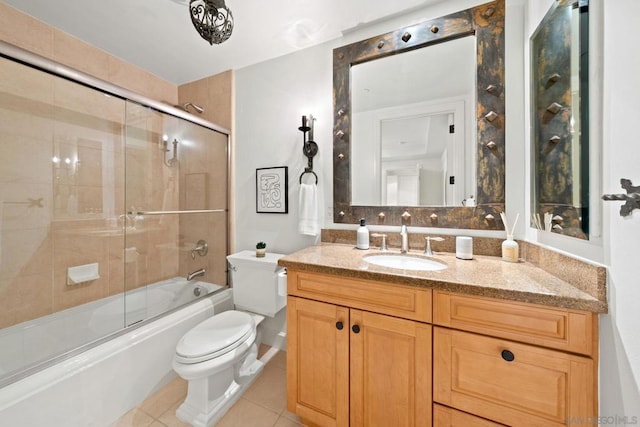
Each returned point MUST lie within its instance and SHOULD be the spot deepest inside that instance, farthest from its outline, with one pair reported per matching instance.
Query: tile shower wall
(29, 238)
(84, 178)
(215, 95)
(52, 174)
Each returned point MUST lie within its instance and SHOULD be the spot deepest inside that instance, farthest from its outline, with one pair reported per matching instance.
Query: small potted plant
(261, 249)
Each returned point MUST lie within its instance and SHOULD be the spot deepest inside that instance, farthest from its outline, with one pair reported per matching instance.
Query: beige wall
(89, 158)
(215, 95)
(76, 221)
(33, 35)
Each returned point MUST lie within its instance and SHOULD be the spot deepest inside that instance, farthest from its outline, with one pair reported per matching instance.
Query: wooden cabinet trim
(562, 329)
(443, 416)
(396, 300)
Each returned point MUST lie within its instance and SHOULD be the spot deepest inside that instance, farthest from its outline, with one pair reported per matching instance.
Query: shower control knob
(355, 329)
(339, 326)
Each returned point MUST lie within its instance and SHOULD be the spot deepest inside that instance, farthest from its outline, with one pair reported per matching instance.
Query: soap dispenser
(362, 236)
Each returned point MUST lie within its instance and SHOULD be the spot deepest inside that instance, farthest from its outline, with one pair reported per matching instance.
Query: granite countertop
(486, 276)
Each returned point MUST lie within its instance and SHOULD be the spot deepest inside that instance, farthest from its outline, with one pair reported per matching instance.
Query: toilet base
(199, 411)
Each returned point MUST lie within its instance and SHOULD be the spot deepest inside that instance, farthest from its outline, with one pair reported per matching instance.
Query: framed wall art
(272, 190)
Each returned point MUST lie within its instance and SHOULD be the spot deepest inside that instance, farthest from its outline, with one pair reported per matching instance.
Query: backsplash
(588, 277)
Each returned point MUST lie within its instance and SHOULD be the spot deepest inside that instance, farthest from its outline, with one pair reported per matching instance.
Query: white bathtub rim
(66, 317)
(27, 387)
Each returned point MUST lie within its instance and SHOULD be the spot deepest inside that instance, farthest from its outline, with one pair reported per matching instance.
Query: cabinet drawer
(511, 383)
(444, 416)
(563, 329)
(395, 300)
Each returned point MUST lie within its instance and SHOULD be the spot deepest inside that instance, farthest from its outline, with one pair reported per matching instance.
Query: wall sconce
(212, 19)
(309, 147)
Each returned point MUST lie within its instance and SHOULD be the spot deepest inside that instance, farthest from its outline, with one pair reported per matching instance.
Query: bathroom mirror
(373, 179)
(560, 120)
(413, 128)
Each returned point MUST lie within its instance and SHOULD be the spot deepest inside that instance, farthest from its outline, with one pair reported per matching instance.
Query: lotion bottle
(362, 236)
(510, 250)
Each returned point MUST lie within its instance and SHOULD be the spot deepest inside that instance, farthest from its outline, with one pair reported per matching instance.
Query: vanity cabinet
(367, 353)
(358, 352)
(514, 363)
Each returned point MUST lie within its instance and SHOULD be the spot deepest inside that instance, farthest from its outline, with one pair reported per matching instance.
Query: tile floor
(262, 405)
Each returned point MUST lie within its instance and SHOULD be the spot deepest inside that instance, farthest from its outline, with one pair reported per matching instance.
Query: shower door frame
(17, 54)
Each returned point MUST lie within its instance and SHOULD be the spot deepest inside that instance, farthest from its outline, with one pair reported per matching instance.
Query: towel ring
(308, 171)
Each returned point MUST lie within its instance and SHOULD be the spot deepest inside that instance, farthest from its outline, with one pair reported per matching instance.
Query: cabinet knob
(339, 326)
(355, 329)
(508, 356)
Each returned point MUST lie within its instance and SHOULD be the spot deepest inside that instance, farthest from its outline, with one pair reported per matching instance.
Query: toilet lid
(215, 336)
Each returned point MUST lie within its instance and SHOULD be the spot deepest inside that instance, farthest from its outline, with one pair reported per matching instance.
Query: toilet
(219, 356)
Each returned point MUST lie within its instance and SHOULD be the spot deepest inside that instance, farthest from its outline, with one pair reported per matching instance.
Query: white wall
(619, 333)
(270, 98)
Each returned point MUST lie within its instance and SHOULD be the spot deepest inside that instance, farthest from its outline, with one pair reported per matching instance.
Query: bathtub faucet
(199, 272)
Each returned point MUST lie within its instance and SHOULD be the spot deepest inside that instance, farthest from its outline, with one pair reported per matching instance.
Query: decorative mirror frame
(486, 22)
(555, 143)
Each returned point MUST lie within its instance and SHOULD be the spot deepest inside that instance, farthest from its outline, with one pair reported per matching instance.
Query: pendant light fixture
(212, 19)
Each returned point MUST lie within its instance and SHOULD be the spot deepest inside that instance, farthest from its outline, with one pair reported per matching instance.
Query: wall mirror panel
(419, 123)
(413, 127)
(560, 120)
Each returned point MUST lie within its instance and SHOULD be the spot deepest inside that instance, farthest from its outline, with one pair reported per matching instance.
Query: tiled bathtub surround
(74, 162)
(544, 276)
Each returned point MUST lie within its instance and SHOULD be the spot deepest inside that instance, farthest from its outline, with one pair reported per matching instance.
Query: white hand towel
(308, 206)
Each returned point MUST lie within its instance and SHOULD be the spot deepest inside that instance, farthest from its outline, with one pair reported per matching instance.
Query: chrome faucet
(404, 236)
(199, 272)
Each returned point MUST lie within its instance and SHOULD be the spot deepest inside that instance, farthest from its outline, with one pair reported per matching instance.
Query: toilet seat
(214, 337)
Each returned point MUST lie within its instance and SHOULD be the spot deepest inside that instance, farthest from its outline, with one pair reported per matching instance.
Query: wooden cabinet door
(390, 371)
(318, 362)
(511, 383)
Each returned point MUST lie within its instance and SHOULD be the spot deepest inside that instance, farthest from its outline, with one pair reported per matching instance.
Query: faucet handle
(383, 245)
(427, 249)
(201, 248)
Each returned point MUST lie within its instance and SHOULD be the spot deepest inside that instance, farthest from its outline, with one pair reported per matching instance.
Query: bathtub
(96, 386)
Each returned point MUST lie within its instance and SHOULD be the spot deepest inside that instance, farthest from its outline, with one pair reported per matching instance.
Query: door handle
(632, 198)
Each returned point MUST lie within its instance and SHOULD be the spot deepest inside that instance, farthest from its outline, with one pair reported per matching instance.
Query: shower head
(198, 108)
(174, 159)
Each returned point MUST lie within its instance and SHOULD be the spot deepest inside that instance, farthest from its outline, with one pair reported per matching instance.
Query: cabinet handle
(339, 326)
(508, 356)
(355, 329)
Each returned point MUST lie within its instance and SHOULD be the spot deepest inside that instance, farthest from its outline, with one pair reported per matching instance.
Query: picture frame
(272, 190)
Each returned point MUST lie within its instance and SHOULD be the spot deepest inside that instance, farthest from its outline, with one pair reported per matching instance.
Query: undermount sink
(405, 262)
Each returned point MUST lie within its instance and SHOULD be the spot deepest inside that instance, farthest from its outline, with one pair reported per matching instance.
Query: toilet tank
(259, 284)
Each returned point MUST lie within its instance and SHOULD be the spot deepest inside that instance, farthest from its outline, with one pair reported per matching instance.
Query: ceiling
(158, 36)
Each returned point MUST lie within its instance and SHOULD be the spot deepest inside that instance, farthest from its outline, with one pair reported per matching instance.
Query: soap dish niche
(82, 274)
